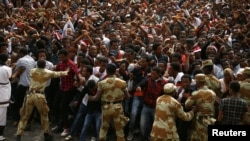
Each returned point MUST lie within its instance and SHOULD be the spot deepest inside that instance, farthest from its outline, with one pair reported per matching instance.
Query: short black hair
(199, 71)
(89, 69)
(3, 58)
(146, 57)
(156, 45)
(85, 61)
(42, 51)
(187, 76)
(176, 66)
(23, 51)
(63, 52)
(41, 64)
(91, 84)
(111, 70)
(234, 86)
(156, 69)
(176, 55)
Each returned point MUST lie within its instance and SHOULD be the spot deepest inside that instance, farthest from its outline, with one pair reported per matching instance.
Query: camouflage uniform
(214, 84)
(167, 110)
(112, 95)
(245, 94)
(204, 100)
(36, 98)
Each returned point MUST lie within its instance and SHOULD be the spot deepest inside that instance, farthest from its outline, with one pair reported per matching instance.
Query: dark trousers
(19, 98)
(61, 107)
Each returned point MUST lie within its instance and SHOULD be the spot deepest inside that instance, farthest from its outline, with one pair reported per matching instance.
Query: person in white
(5, 89)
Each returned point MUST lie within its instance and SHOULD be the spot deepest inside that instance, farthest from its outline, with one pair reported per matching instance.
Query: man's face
(3, 49)
(93, 51)
(171, 71)
(63, 58)
(115, 46)
(154, 75)
(42, 56)
(185, 83)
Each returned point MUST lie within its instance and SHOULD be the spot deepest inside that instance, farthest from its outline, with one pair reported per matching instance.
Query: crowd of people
(165, 69)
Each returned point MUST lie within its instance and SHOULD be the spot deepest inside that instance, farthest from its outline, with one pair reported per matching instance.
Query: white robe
(5, 92)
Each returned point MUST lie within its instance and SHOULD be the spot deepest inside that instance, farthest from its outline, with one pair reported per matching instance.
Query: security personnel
(112, 91)
(167, 110)
(203, 98)
(245, 92)
(36, 98)
(212, 82)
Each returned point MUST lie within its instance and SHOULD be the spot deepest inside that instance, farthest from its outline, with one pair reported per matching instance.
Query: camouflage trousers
(115, 113)
(199, 127)
(31, 101)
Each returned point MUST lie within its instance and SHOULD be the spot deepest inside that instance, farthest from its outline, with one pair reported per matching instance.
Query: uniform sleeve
(186, 116)
(190, 101)
(54, 74)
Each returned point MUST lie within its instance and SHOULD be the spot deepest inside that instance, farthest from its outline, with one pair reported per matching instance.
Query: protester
(232, 110)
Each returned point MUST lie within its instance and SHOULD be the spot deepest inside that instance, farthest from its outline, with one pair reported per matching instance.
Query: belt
(112, 102)
(4, 102)
(40, 92)
(4, 83)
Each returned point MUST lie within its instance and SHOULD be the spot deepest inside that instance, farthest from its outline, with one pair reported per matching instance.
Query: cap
(246, 70)
(200, 77)
(110, 66)
(207, 63)
(169, 88)
(196, 49)
(83, 42)
(213, 47)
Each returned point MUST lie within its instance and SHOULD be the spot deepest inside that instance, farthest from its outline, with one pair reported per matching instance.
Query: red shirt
(67, 82)
(152, 91)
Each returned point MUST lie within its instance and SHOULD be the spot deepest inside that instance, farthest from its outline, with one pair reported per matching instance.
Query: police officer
(203, 98)
(245, 92)
(112, 91)
(36, 98)
(167, 110)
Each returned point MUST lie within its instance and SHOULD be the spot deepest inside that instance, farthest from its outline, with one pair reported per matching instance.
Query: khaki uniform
(213, 83)
(167, 110)
(36, 98)
(245, 94)
(112, 109)
(204, 100)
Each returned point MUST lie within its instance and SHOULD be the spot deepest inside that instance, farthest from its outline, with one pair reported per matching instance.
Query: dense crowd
(193, 54)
